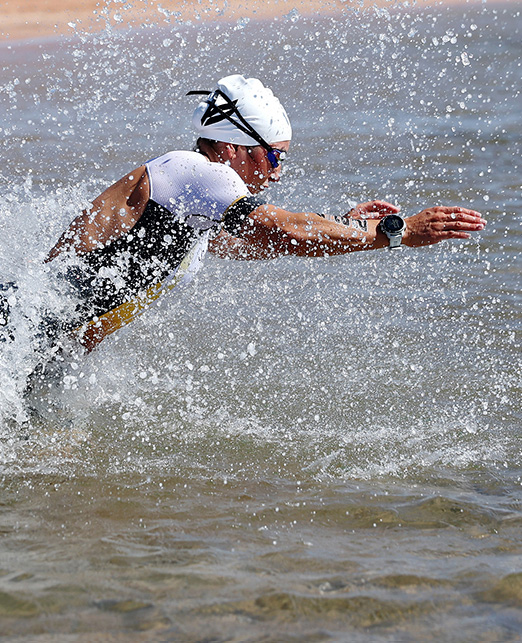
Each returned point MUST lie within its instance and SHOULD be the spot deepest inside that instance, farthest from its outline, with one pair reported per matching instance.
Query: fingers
(458, 210)
(461, 219)
(382, 207)
(453, 234)
(442, 222)
(472, 226)
(470, 218)
(454, 212)
(385, 208)
(373, 210)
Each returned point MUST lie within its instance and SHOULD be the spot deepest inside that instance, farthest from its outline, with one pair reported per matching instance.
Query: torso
(187, 198)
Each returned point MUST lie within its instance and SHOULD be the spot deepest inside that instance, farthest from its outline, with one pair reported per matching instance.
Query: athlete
(150, 230)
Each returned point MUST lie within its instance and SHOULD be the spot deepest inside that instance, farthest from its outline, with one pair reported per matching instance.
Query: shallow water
(308, 450)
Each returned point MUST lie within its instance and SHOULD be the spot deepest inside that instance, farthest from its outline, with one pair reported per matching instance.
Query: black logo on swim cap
(214, 114)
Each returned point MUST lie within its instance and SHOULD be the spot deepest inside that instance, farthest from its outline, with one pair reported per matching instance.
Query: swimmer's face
(255, 168)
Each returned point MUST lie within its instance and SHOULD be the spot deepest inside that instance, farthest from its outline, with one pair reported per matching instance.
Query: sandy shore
(22, 19)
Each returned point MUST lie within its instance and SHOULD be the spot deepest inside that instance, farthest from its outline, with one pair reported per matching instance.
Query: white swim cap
(238, 106)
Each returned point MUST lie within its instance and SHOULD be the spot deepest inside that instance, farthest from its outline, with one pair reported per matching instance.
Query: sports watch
(393, 227)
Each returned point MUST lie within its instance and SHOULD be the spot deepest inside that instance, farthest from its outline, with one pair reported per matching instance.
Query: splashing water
(384, 389)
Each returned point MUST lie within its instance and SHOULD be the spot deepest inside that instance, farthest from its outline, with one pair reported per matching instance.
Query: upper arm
(113, 213)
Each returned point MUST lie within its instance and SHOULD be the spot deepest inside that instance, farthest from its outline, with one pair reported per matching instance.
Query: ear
(226, 151)
(231, 151)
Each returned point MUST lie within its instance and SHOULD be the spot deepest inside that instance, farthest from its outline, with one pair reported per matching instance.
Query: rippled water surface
(295, 450)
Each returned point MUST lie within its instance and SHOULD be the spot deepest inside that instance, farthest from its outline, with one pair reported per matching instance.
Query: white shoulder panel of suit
(189, 185)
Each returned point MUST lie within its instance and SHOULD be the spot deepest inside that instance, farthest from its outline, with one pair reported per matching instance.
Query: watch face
(392, 223)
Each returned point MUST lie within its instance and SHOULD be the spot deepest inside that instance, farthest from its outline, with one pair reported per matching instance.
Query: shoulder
(192, 165)
(188, 180)
(177, 158)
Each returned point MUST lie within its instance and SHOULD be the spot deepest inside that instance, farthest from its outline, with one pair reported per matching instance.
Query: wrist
(407, 234)
(393, 227)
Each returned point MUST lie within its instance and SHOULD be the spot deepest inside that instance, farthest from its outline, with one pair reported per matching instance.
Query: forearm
(281, 232)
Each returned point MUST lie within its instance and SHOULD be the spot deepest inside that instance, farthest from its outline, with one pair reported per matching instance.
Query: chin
(255, 189)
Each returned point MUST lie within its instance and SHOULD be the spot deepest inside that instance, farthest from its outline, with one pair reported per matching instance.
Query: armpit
(236, 215)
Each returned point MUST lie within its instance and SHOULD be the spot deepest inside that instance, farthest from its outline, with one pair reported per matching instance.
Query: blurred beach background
(295, 450)
(36, 18)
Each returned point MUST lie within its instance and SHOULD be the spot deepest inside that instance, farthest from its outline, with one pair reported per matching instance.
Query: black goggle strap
(241, 123)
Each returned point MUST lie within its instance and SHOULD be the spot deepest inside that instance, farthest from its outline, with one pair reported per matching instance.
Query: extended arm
(227, 246)
(278, 232)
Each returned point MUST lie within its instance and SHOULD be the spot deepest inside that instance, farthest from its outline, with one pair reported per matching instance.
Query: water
(308, 450)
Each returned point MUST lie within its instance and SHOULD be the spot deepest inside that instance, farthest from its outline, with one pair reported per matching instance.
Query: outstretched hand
(439, 223)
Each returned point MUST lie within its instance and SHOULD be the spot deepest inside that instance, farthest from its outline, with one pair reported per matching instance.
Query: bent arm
(112, 214)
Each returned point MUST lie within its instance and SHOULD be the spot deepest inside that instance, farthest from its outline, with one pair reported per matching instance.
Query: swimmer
(150, 230)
